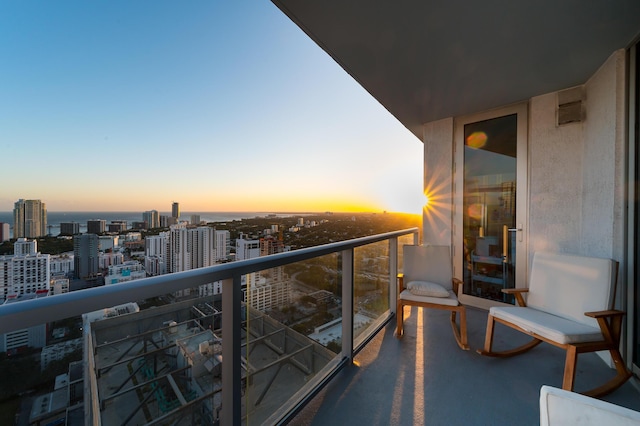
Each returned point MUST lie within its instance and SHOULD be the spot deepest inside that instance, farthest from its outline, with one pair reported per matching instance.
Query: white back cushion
(428, 263)
(569, 285)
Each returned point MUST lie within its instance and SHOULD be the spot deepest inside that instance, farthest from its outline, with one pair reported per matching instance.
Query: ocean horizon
(54, 219)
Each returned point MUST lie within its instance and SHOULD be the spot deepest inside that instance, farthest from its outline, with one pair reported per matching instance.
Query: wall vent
(570, 108)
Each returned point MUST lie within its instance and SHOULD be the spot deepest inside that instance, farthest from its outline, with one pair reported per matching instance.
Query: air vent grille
(570, 108)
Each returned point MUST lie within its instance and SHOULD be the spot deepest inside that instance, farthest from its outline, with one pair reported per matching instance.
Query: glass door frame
(522, 196)
(632, 297)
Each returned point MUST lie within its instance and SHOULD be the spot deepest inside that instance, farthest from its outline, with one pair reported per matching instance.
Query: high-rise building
(167, 221)
(96, 226)
(152, 218)
(190, 248)
(117, 226)
(195, 219)
(85, 255)
(24, 273)
(139, 225)
(175, 210)
(269, 288)
(180, 249)
(69, 228)
(4, 232)
(156, 254)
(29, 219)
(222, 244)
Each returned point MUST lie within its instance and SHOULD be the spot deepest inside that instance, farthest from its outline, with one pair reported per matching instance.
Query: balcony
(327, 354)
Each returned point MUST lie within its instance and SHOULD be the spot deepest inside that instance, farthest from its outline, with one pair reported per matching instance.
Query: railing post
(416, 238)
(231, 347)
(393, 273)
(347, 303)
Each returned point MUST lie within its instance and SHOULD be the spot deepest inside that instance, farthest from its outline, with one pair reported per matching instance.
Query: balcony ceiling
(424, 60)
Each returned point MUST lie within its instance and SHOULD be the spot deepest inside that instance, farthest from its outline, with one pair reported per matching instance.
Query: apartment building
(29, 219)
(152, 219)
(96, 226)
(85, 255)
(25, 272)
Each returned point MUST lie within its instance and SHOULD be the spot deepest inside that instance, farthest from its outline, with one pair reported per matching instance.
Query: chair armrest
(517, 292)
(610, 323)
(400, 278)
(603, 314)
(456, 285)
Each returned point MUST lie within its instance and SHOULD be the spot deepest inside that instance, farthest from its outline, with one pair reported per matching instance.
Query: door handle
(505, 240)
(517, 229)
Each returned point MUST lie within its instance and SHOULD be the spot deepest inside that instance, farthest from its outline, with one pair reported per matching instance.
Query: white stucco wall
(576, 171)
(604, 159)
(555, 179)
(438, 182)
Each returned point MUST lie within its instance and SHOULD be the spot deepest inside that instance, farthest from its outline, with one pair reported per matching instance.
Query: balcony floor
(424, 378)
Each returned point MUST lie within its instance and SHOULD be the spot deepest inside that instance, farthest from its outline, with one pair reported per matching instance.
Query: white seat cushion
(552, 327)
(426, 288)
(451, 300)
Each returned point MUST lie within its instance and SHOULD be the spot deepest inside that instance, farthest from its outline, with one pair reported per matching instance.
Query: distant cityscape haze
(226, 106)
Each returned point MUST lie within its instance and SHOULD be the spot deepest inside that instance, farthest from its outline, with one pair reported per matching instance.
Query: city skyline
(224, 107)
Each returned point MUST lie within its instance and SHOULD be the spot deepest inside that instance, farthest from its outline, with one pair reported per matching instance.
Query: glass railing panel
(291, 333)
(370, 287)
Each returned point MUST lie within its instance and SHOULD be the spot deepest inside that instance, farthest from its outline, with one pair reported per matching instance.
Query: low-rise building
(59, 284)
(58, 351)
(25, 272)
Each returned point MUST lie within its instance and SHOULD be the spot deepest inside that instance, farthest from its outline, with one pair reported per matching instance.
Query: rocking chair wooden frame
(610, 323)
(459, 332)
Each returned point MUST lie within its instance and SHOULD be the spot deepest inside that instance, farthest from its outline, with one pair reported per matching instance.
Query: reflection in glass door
(489, 227)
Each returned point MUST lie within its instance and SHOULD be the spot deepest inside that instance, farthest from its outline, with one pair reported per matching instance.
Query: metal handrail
(28, 313)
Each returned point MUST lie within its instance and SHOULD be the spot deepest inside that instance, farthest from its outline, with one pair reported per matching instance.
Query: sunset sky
(221, 106)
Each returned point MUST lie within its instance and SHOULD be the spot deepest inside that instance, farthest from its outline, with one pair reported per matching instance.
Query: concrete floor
(424, 378)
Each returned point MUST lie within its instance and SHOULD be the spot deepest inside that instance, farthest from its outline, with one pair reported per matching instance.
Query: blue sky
(222, 106)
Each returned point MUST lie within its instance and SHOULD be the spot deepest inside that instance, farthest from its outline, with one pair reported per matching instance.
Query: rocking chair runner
(427, 282)
(568, 305)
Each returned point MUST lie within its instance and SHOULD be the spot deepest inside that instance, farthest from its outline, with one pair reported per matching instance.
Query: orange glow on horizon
(198, 206)
(225, 200)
